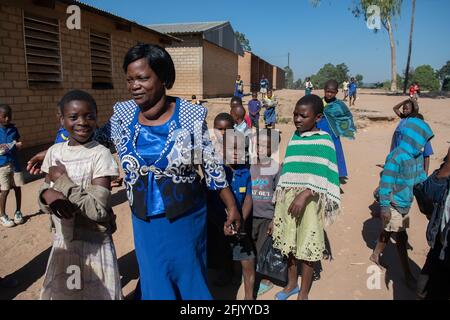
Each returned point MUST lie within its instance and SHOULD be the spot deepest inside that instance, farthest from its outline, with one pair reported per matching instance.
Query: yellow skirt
(303, 236)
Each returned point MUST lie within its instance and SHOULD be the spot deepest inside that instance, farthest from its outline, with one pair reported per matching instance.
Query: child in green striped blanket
(307, 196)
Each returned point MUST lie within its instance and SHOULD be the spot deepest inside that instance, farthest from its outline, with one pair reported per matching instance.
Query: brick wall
(187, 57)
(245, 70)
(34, 109)
(220, 68)
(278, 78)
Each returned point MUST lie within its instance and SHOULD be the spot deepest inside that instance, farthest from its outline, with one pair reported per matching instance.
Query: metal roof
(121, 19)
(186, 28)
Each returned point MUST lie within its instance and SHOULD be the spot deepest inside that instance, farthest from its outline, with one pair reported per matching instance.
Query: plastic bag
(271, 262)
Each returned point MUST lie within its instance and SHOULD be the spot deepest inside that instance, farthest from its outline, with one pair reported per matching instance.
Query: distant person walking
(263, 86)
(414, 91)
(345, 89)
(308, 86)
(239, 87)
(352, 87)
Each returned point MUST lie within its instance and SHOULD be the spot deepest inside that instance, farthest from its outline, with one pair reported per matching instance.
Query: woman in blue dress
(159, 140)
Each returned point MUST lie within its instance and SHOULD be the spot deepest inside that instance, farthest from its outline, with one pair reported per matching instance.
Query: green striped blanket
(310, 163)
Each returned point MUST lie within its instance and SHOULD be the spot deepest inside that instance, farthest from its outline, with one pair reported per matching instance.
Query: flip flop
(284, 296)
(263, 288)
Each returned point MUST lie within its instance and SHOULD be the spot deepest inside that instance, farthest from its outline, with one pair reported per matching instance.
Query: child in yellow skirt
(307, 196)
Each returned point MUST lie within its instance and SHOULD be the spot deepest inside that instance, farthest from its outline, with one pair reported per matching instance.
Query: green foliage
(359, 79)
(389, 9)
(328, 72)
(444, 76)
(245, 43)
(427, 78)
(289, 77)
(297, 84)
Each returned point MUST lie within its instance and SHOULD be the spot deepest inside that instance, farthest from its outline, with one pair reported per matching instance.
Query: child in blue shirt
(403, 169)
(9, 143)
(352, 87)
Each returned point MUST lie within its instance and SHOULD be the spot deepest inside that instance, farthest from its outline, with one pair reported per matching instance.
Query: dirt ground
(24, 249)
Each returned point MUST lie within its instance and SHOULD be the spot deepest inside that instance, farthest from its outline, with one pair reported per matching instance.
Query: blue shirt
(9, 134)
(264, 83)
(62, 135)
(396, 138)
(352, 87)
(150, 144)
(240, 182)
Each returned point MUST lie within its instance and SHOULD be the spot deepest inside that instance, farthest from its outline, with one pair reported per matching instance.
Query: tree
(289, 77)
(410, 46)
(341, 72)
(297, 84)
(389, 10)
(444, 76)
(245, 43)
(427, 78)
(328, 72)
(359, 79)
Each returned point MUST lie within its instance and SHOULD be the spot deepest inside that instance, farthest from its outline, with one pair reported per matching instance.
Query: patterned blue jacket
(404, 166)
(187, 144)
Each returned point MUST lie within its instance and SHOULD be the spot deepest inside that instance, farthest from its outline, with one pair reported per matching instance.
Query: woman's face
(143, 84)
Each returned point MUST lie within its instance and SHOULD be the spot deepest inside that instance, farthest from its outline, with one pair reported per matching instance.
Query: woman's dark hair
(312, 100)
(77, 95)
(157, 58)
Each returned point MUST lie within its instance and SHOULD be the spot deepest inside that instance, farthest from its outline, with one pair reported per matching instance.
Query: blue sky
(312, 36)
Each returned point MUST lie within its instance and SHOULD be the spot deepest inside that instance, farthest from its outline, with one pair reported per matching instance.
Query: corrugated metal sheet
(185, 28)
(219, 32)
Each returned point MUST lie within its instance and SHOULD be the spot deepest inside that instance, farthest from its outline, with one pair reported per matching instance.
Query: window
(42, 50)
(101, 66)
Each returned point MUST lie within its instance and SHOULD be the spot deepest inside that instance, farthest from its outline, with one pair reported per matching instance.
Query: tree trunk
(410, 46)
(393, 56)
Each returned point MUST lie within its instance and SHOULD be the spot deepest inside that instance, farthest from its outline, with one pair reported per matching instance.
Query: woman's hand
(34, 164)
(57, 171)
(233, 223)
(299, 203)
(58, 203)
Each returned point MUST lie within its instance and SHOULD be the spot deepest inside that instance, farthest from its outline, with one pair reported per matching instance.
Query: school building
(252, 68)
(206, 61)
(42, 57)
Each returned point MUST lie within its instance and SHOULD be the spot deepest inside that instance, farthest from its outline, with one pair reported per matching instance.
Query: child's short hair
(6, 110)
(235, 100)
(312, 100)
(77, 95)
(194, 97)
(226, 117)
(333, 84)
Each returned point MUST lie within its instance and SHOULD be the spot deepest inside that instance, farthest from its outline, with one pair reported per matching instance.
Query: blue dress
(342, 167)
(171, 254)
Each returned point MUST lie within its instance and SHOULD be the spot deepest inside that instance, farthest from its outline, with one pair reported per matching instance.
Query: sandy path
(24, 249)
